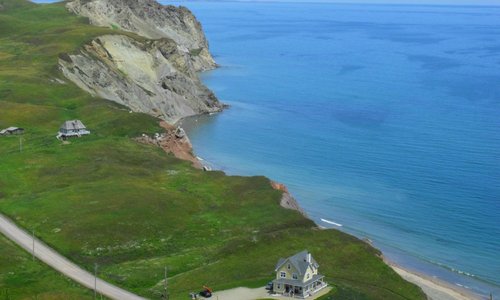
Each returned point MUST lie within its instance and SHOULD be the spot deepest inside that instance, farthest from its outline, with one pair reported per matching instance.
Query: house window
(279, 286)
(294, 276)
(288, 266)
(307, 277)
(283, 275)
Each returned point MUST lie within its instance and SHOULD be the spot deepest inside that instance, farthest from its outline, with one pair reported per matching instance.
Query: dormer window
(294, 276)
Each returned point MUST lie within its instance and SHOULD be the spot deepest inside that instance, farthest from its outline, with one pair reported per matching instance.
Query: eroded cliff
(156, 73)
(150, 19)
(151, 76)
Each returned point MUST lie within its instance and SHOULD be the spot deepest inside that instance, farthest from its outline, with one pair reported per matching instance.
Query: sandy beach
(434, 288)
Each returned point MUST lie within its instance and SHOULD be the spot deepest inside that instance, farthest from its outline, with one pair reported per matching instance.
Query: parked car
(207, 292)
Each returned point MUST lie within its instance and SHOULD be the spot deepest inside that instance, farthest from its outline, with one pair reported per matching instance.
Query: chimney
(308, 257)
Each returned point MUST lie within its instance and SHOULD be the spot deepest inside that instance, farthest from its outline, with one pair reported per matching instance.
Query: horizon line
(360, 2)
(364, 2)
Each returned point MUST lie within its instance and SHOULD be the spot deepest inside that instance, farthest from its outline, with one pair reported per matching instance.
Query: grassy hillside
(22, 278)
(132, 208)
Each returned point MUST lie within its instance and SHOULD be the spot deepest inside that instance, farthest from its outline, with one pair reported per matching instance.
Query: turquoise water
(382, 118)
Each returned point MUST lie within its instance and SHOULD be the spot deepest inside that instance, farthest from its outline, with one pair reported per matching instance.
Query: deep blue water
(383, 118)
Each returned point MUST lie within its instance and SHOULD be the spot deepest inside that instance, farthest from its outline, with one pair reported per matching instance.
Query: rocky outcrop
(155, 73)
(150, 76)
(287, 200)
(152, 20)
(171, 142)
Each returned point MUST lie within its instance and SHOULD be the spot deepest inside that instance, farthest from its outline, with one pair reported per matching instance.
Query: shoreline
(434, 288)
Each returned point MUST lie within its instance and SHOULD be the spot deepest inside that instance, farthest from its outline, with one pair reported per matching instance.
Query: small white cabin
(72, 128)
(11, 131)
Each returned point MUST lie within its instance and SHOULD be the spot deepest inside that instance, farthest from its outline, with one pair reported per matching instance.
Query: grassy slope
(132, 208)
(21, 278)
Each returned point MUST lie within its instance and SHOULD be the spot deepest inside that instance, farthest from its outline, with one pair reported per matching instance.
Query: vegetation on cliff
(131, 208)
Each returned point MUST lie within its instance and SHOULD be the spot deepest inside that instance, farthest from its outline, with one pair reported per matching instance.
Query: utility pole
(33, 252)
(95, 281)
(165, 282)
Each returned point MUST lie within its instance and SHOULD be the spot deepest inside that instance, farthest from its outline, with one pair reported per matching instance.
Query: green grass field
(132, 208)
(23, 278)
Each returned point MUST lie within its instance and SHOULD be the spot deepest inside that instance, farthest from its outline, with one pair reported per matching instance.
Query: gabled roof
(281, 262)
(73, 125)
(299, 261)
(10, 129)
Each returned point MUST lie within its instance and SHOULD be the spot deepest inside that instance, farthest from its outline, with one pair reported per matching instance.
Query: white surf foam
(331, 222)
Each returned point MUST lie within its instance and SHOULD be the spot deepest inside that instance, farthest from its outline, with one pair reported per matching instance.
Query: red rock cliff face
(180, 147)
(287, 200)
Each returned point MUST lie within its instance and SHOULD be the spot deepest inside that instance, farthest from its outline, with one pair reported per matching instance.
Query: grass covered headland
(132, 208)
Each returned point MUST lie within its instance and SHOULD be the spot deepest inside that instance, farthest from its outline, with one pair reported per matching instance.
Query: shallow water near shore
(381, 118)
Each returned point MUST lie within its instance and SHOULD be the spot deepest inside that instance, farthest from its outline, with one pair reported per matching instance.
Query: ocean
(382, 120)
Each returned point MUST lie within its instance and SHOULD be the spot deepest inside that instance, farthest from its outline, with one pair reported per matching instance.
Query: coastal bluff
(154, 70)
(152, 20)
(287, 200)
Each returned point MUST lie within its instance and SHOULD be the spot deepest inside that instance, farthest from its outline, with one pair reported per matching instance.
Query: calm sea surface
(382, 118)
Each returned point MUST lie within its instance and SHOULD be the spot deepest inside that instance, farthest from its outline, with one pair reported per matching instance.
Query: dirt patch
(287, 200)
(243, 293)
(172, 142)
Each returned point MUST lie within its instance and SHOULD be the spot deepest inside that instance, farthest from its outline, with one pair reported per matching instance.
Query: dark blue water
(382, 118)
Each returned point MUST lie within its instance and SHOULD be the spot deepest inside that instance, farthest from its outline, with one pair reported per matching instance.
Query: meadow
(23, 278)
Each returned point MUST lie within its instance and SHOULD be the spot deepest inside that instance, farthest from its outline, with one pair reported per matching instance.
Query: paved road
(60, 263)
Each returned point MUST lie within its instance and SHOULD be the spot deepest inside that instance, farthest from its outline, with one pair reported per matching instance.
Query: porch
(298, 289)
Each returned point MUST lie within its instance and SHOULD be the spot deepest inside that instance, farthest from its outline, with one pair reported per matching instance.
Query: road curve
(60, 263)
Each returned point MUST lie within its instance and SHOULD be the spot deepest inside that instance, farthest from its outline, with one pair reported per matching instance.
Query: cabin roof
(73, 125)
(10, 129)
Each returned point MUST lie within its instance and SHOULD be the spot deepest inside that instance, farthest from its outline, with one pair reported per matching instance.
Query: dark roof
(73, 125)
(299, 261)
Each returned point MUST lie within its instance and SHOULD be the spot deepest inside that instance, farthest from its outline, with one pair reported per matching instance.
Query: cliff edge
(152, 20)
(287, 200)
(156, 74)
